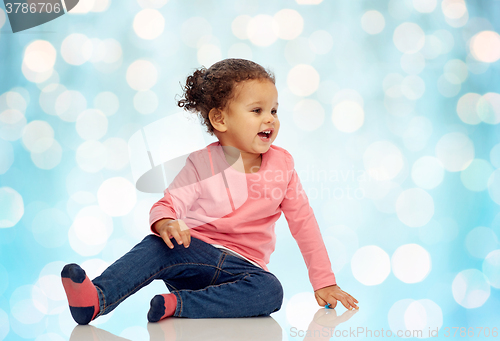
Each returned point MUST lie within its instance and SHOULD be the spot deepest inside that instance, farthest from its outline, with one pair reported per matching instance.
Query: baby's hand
(168, 228)
(333, 293)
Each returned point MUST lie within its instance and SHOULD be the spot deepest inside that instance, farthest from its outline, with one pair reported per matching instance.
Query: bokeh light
(427, 172)
(383, 160)
(90, 231)
(467, 108)
(425, 6)
(475, 177)
(455, 151)
(11, 207)
(480, 241)
(409, 317)
(411, 263)
(348, 116)
(142, 75)
(370, 265)
(69, 104)
(488, 108)
(116, 196)
(76, 49)
(261, 30)
(107, 102)
(491, 268)
(470, 288)
(91, 124)
(6, 156)
(40, 56)
(494, 186)
(485, 46)
(12, 123)
(288, 24)
(409, 37)
(149, 24)
(372, 22)
(303, 80)
(415, 207)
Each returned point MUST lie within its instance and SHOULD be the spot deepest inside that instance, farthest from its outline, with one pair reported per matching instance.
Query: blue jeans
(208, 282)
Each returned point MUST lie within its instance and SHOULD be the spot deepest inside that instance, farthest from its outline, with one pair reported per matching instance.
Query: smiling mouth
(266, 133)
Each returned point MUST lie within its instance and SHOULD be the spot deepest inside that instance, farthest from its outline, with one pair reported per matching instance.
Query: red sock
(162, 306)
(81, 292)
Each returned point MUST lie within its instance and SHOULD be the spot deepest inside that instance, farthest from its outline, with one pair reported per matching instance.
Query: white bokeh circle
(117, 196)
(411, 263)
(480, 241)
(470, 288)
(415, 207)
(383, 160)
(11, 207)
(370, 265)
(455, 151)
(303, 80)
(348, 116)
(372, 22)
(409, 37)
(141, 75)
(149, 24)
(491, 268)
(427, 172)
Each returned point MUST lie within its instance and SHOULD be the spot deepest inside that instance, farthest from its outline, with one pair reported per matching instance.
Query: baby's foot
(81, 293)
(162, 306)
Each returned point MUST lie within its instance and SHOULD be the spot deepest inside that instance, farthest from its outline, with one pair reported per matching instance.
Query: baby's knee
(274, 293)
(153, 243)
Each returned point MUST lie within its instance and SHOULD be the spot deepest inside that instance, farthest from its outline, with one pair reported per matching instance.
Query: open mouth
(265, 135)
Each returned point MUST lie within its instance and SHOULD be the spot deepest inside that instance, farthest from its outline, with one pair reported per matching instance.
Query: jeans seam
(170, 285)
(137, 286)
(180, 303)
(104, 302)
(219, 268)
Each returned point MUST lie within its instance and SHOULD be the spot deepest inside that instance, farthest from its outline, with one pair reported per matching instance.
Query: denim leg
(192, 268)
(240, 290)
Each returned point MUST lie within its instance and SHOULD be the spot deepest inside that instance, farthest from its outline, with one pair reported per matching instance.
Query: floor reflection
(238, 329)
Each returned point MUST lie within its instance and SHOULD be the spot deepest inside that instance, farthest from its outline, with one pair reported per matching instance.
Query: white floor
(321, 327)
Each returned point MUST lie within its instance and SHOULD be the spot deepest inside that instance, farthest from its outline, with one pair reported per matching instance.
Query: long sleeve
(179, 196)
(305, 230)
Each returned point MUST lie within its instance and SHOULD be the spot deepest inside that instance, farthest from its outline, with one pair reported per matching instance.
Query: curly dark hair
(212, 88)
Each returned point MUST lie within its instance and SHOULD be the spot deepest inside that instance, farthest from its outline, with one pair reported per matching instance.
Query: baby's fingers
(176, 235)
(164, 235)
(351, 302)
(186, 238)
(346, 303)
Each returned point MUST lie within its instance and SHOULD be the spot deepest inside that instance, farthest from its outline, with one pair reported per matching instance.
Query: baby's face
(253, 111)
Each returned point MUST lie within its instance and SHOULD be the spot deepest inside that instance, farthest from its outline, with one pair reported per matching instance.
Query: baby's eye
(274, 112)
(257, 110)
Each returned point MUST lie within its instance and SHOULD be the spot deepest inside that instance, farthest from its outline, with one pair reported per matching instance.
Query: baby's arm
(305, 230)
(165, 217)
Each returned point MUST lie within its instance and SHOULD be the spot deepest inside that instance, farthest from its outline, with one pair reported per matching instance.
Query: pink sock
(81, 292)
(162, 306)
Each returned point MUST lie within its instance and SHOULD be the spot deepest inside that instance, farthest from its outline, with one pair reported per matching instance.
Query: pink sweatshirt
(238, 211)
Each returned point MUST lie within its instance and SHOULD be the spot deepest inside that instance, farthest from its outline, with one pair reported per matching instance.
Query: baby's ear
(217, 119)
